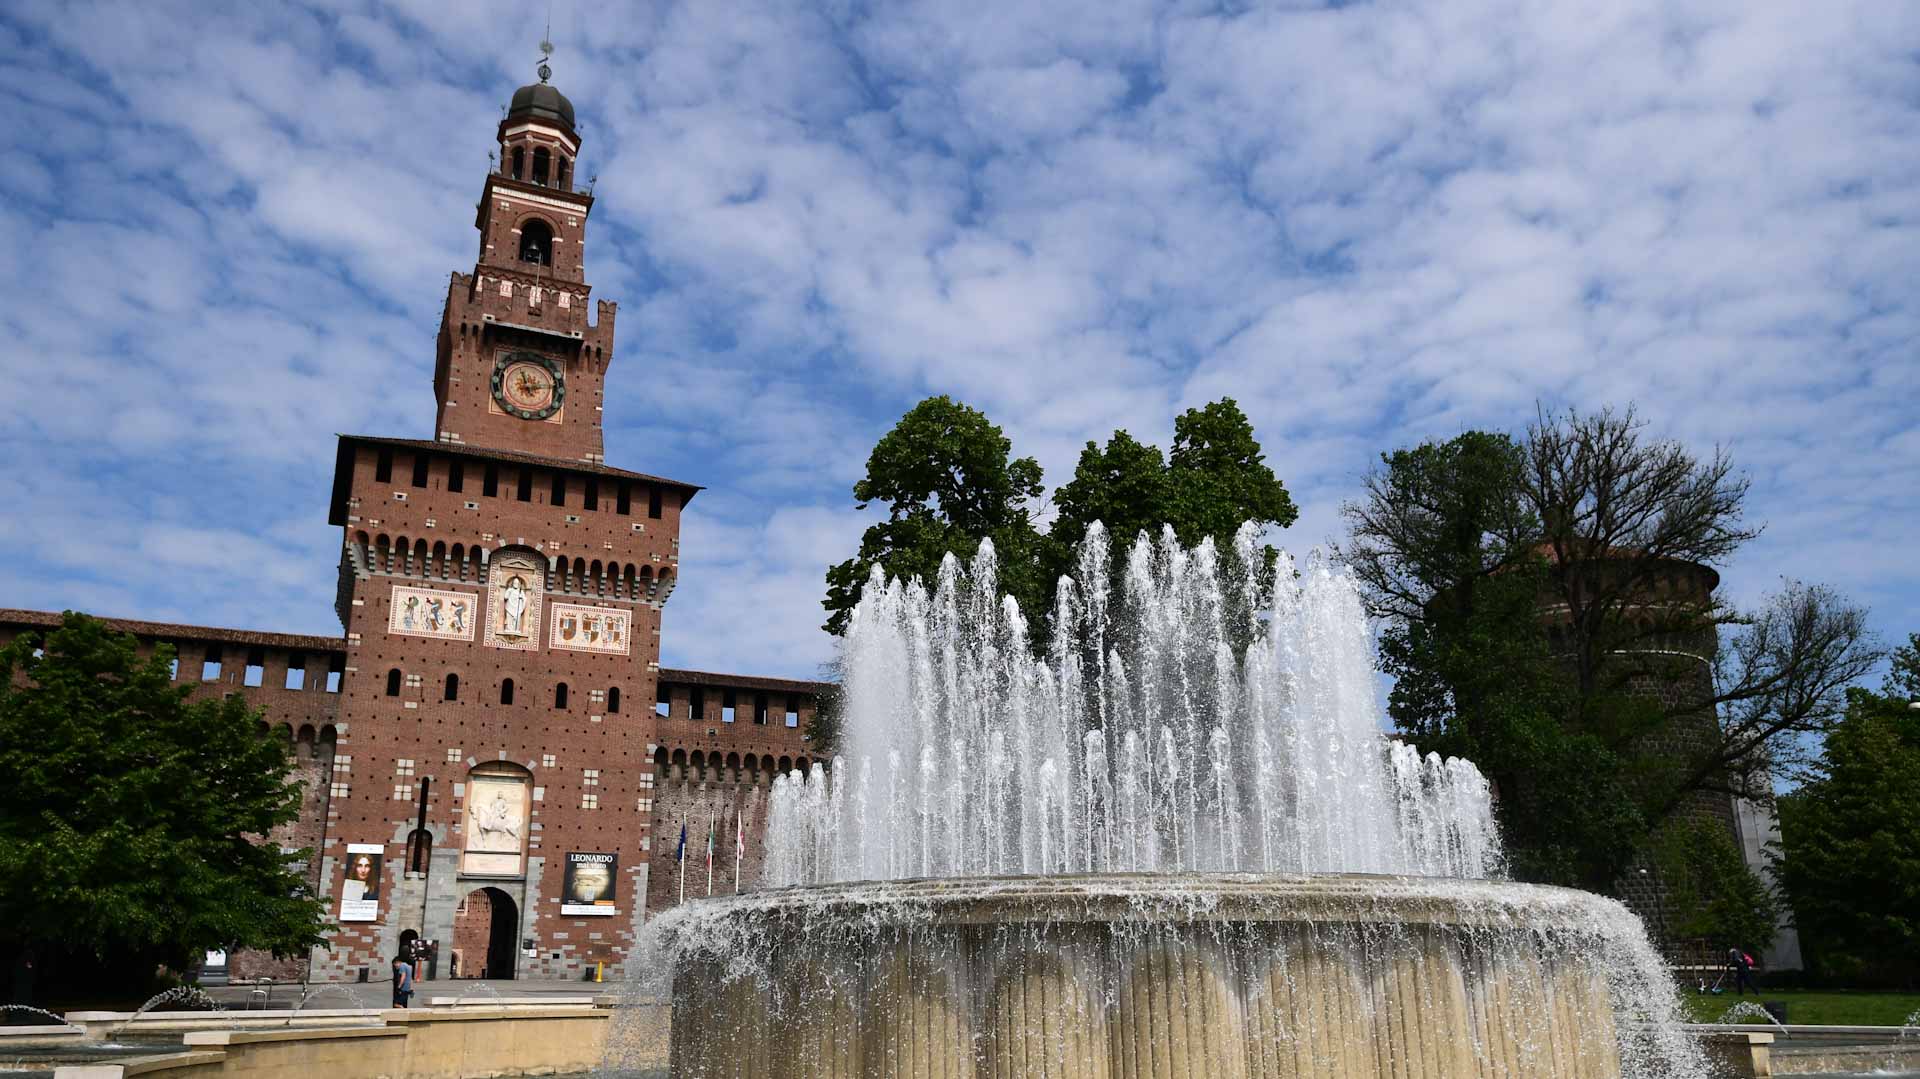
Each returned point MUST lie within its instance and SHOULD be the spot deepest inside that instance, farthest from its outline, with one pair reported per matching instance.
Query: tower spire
(546, 46)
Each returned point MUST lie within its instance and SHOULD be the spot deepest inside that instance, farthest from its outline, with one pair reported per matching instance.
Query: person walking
(402, 981)
(1740, 965)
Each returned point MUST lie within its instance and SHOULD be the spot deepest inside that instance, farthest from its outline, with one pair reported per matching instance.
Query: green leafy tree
(1218, 478)
(1849, 856)
(1215, 480)
(949, 480)
(1711, 892)
(131, 818)
(1123, 485)
(1527, 590)
(1443, 545)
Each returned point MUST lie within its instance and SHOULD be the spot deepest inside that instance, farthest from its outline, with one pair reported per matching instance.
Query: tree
(1534, 590)
(1624, 519)
(1218, 478)
(949, 480)
(1215, 480)
(1711, 891)
(1849, 856)
(131, 817)
(1443, 545)
(1123, 485)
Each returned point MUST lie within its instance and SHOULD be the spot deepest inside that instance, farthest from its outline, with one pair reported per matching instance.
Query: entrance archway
(485, 927)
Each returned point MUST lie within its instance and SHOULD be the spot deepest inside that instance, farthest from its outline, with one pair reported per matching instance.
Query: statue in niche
(513, 606)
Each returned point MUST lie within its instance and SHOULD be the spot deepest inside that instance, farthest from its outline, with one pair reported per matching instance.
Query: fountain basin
(1152, 975)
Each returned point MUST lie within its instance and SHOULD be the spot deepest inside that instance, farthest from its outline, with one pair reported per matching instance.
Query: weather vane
(546, 46)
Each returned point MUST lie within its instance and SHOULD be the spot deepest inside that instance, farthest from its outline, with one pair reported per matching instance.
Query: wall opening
(536, 243)
(485, 925)
(419, 850)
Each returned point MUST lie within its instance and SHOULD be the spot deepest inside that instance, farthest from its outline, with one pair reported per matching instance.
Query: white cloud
(1371, 224)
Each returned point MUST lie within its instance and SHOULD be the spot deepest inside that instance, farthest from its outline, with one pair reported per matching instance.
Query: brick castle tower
(501, 590)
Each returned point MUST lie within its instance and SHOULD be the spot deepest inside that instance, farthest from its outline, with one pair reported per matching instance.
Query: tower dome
(541, 101)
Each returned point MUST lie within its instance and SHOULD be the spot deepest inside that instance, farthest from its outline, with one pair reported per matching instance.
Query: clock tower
(519, 365)
(501, 589)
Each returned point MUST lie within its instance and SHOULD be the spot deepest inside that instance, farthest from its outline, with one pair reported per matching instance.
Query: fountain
(1177, 844)
(191, 998)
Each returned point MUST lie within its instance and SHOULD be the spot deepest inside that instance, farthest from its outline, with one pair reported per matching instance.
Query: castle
(493, 758)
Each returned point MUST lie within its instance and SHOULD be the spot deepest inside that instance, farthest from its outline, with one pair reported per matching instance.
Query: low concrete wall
(100, 1025)
(1741, 1054)
(26, 1037)
(1897, 1059)
(1751, 1050)
(462, 1043)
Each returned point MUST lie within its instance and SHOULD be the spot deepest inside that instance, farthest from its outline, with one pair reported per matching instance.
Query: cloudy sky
(1372, 223)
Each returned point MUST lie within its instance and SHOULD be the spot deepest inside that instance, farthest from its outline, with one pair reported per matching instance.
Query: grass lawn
(1813, 1007)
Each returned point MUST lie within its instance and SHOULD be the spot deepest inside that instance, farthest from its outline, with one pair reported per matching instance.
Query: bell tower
(501, 590)
(519, 366)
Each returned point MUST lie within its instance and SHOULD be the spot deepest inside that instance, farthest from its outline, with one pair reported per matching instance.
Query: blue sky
(1370, 223)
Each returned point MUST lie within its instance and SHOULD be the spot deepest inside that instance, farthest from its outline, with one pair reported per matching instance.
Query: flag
(709, 846)
(680, 854)
(739, 837)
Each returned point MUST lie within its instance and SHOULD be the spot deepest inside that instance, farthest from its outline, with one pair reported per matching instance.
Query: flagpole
(710, 824)
(739, 845)
(680, 857)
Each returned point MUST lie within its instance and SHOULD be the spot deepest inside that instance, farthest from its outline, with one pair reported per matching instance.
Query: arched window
(393, 682)
(560, 173)
(453, 688)
(540, 161)
(613, 700)
(560, 695)
(419, 850)
(536, 243)
(519, 161)
(506, 691)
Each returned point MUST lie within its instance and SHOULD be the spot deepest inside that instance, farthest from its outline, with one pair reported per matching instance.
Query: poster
(496, 826)
(433, 612)
(591, 629)
(360, 895)
(589, 887)
(516, 581)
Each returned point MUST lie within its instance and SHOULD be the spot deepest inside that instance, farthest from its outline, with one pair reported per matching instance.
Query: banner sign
(360, 896)
(590, 885)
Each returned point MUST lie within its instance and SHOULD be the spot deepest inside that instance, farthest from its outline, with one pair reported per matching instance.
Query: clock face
(528, 385)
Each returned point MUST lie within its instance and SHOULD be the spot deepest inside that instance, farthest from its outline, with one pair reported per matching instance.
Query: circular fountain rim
(1364, 898)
